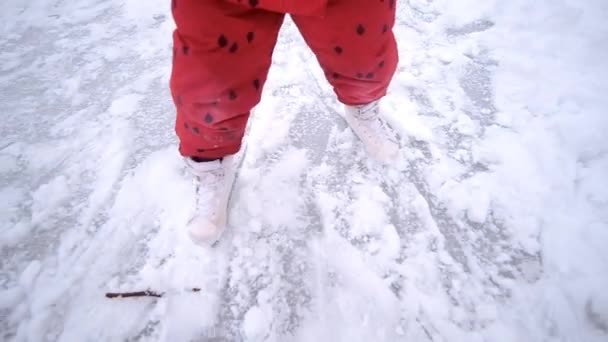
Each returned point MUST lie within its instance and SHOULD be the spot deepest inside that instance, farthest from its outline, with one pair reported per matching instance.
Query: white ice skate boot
(214, 181)
(372, 129)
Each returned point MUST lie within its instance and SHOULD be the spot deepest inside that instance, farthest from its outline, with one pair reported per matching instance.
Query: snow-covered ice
(491, 226)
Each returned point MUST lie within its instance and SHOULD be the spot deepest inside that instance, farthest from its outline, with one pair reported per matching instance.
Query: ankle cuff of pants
(204, 160)
(186, 150)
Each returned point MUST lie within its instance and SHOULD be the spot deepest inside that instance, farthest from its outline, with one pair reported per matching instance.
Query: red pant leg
(305, 7)
(355, 46)
(221, 56)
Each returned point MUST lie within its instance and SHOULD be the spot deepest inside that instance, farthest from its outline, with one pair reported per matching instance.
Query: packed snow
(491, 226)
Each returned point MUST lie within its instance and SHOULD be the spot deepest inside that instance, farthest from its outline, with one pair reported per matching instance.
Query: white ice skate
(214, 181)
(373, 130)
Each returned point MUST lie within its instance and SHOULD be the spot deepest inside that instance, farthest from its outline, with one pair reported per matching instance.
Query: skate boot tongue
(373, 131)
(213, 181)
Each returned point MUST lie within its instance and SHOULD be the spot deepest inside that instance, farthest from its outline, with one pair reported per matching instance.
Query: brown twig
(146, 293)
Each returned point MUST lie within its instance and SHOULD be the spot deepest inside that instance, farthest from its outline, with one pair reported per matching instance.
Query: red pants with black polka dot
(222, 54)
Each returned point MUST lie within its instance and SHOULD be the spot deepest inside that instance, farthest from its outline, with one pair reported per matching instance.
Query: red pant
(222, 54)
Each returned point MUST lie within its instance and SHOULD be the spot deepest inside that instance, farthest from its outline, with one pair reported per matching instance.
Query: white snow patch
(47, 200)
(402, 115)
(8, 163)
(13, 235)
(29, 274)
(256, 324)
(261, 196)
(10, 297)
(125, 105)
(368, 210)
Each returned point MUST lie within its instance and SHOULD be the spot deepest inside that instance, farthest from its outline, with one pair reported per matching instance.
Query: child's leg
(355, 46)
(221, 56)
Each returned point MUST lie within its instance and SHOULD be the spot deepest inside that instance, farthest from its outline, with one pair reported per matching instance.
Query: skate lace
(208, 186)
(374, 127)
(368, 112)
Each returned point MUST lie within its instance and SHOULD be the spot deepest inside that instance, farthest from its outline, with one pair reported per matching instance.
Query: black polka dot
(391, 4)
(385, 28)
(360, 30)
(253, 3)
(338, 50)
(369, 75)
(186, 50)
(232, 94)
(250, 36)
(335, 75)
(381, 64)
(256, 84)
(222, 41)
(195, 130)
(200, 150)
(208, 118)
(186, 125)
(234, 47)
(359, 75)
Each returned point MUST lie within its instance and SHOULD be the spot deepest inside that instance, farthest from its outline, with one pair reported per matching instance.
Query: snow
(491, 226)
(26, 280)
(256, 324)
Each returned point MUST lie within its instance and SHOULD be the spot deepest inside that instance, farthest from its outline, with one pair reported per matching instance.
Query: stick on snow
(146, 293)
